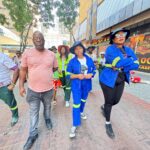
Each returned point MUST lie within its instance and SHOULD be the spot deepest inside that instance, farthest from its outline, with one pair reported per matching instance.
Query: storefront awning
(7, 41)
(7, 37)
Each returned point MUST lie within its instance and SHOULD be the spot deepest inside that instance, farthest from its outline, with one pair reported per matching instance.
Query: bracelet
(13, 84)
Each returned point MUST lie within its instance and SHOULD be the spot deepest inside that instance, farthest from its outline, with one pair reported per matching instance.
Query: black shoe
(102, 110)
(30, 142)
(109, 131)
(48, 124)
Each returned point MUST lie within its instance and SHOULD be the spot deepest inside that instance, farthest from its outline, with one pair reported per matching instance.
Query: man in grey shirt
(7, 85)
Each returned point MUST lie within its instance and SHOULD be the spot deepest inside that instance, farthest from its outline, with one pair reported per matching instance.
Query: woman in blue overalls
(81, 69)
(120, 60)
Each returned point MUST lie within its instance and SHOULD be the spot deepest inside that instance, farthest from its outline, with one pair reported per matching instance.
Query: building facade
(10, 39)
(99, 17)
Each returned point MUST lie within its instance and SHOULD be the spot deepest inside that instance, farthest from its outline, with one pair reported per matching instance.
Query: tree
(67, 13)
(3, 19)
(44, 8)
(23, 15)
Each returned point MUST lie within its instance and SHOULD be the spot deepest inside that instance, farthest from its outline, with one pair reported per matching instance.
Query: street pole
(91, 26)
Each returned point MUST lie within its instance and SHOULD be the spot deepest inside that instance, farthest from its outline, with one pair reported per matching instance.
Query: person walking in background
(39, 63)
(90, 53)
(57, 84)
(101, 62)
(56, 80)
(7, 85)
(120, 60)
(81, 69)
(63, 59)
(17, 58)
(54, 49)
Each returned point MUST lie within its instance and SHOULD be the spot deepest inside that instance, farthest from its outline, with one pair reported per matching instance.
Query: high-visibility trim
(63, 86)
(76, 105)
(68, 88)
(110, 66)
(68, 73)
(136, 62)
(115, 61)
(65, 63)
(99, 59)
(83, 100)
(14, 108)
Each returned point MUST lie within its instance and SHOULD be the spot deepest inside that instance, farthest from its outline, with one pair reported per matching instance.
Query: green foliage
(3, 19)
(19, 13)
(45, 8)
(67, 12)
(22, 14)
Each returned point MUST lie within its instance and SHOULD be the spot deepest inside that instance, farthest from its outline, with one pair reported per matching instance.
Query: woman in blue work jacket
(120, 60)
(81, 69)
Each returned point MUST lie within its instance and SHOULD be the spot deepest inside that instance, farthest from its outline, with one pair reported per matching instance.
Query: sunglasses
(120, 35)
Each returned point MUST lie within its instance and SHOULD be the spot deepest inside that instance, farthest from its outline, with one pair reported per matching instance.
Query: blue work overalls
(79, 88)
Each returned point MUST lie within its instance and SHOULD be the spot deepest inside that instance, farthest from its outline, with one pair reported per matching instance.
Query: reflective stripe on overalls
(115, 61)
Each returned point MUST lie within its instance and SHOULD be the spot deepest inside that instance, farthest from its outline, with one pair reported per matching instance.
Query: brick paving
(130, 119)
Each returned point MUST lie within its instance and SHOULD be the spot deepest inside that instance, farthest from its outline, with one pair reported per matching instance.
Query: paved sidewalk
(143, 75)
(130, 119)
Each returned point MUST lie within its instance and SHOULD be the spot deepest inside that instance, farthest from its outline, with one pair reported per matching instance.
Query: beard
(40, 47)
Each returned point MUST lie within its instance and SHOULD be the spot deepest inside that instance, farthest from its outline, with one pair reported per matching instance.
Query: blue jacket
(74, 67)
(115, 59)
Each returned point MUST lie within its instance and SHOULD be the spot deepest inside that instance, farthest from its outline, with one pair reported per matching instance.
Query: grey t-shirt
(84, 67)
(6, 65)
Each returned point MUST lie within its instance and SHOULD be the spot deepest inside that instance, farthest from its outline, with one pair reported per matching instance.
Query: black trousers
(112, 97)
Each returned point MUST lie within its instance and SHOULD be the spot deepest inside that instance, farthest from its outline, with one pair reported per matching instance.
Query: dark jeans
(66, 84)
(34, 99)
(8, 97)
(112, 97)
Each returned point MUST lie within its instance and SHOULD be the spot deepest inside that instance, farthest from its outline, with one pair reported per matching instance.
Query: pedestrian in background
(120, 60)
(56, 80)
(90, 53)
(17, 58)
(54, 49)
(101, 62)
(63, 59)
(7, 85)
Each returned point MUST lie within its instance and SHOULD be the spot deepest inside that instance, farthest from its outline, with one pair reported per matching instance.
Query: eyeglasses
(120, 35)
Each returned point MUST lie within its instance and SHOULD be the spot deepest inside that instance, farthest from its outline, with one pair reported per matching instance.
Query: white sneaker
(73, 132)
(83, 116)
(67, 104)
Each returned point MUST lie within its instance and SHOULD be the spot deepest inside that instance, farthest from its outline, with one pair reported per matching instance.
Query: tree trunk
(70, 39)
(24, 37)
(21, 40)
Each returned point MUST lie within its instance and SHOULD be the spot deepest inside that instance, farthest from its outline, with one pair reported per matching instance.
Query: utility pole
(91, 20)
